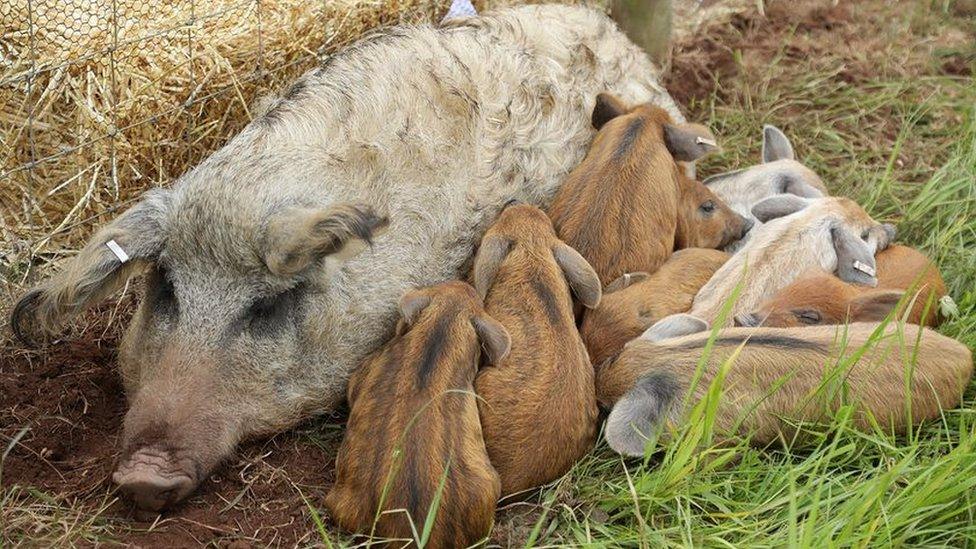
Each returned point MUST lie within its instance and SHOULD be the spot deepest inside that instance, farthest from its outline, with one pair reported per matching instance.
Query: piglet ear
(579, 274)
(776, 146)
(778, 205)
(689, 142)
(855, 259)
(494, 338)
(883, 236)
(607, 108)
(411, 305)
(874, 306)
(116, 252)
(793, 184)
(637, 416)
(675, 325)
(299, 237)
(491, 254)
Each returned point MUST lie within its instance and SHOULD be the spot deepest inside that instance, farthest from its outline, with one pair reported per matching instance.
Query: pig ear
(299, 237)
(411, 305)
(491, 254)
(855, 258)
(579, 274)
(689, 142)
(675, 325)
(875, 306)
(625, 280)
(792, 184)
(776, 146)
(606, 109)
(883, 236)
(720, 176)
(639, 413)
(116, 252)
(778, 205)
(494, 338)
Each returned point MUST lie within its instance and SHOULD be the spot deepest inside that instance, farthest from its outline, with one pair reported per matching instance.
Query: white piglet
(779, 173)
(832, 233)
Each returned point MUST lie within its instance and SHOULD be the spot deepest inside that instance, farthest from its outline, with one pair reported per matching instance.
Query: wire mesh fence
(102, 99)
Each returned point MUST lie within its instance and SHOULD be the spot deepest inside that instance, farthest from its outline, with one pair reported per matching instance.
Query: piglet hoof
(625, 281)
(153, 481)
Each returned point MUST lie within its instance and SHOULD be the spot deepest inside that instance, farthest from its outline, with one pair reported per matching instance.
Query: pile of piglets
(494, 386)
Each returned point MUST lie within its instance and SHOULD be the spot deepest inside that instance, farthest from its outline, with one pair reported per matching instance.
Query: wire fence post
(188, 129)
(260, 73)
(114, 90)
(31, 73)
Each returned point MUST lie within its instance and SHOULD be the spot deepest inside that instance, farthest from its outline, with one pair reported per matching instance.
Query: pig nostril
(153, 481)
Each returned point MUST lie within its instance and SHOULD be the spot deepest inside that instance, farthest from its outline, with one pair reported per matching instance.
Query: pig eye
(808, 316)
(708, 207)
(160, 292)
(268, 315)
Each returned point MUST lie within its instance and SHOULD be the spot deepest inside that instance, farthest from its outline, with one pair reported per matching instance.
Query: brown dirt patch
(71, 398)
(863, 41)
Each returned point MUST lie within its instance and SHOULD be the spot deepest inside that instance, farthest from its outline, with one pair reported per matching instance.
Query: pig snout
(174, 434)
(735, 232)
(154, 478)
(746, 320)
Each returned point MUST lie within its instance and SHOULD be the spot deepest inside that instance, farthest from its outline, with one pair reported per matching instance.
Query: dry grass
(52, 521)
(98, 107)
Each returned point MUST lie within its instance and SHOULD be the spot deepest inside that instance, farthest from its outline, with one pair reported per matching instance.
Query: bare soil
(72, 402)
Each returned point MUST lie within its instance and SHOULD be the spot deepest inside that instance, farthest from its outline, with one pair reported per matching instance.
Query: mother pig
(255, 310)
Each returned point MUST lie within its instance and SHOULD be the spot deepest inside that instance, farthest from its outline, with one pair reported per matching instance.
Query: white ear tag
(705, 141)
(117, 250)
(865, 268)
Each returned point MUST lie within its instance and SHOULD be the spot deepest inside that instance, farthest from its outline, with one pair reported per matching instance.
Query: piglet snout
(153, 479)
(747, 225)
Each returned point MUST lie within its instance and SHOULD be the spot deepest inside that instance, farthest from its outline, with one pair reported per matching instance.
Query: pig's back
(521, 124)
(538, 409)
(436, 128)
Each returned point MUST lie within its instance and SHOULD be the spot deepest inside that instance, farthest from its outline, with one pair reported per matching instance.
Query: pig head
(215, 350)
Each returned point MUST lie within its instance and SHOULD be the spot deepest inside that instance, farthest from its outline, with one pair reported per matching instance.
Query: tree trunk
(648, 24)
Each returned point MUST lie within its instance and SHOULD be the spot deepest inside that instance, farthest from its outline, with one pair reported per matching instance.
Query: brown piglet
(538, 407)
(822, 298)
(413, 429)
(644, 299)
(629, 204)
(775, 379)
